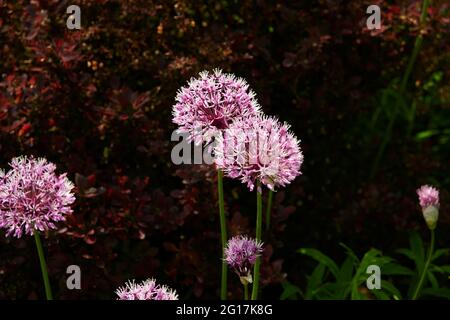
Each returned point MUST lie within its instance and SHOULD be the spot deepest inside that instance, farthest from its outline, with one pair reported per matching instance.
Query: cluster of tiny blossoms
(249, 146)
(259, 149)
(428, 196)
(33, 197)
(146, 290)
(241, 254)
(210, 103)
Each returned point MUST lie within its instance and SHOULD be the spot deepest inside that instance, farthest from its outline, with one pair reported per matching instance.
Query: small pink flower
(429, 201)
(33, 197)
(428, 196)
(241, 253)
(146, 290)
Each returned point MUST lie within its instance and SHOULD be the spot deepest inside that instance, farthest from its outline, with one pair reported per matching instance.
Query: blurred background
(97, 102)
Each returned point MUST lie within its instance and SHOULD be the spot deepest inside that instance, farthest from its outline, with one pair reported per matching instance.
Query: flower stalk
(255, 287)
(425, 268)
(269, 209)
(48, 290)
(246, 292)
(429, 202)
(223, 233)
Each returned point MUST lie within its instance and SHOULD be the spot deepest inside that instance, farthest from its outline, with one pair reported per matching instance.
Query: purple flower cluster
(146, 290)
(33, 197)
(428, 196)
(260, 148)
(249, 146)
(241, 253)
(210, 103)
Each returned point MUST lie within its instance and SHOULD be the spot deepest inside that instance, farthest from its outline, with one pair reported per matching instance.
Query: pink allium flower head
(146, 290)
(259, 148)
(429, 201)
(428, 196)
(165, 293)
(33, 197)
(241, 253)
(210, 103)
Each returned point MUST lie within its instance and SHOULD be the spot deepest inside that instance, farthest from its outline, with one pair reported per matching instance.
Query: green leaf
(290, 291)
(341, 289)
(408, 253)
(426, 134)
(434, 268)
(380, 295)
(350, 253)
(390, 288)
(443, 269)
(321, 258)
(315, 281)
(438, 292)
(396, 269)
(416, 244)
(373, 256)
(432, 279)
(439, 253)
(346, 271)
(391, 100)
(333, 291)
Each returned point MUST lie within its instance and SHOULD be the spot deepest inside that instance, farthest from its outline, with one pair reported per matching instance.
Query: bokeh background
(97, 102)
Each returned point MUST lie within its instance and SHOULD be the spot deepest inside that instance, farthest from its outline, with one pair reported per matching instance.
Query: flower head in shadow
(240, 254)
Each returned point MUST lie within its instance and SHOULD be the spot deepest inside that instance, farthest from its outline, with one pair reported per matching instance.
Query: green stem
(269, 209)
(409, 68)
(255, 287)
(417, 46)
(223, 233)
(245, 291)
(48, 290)
(425, 268)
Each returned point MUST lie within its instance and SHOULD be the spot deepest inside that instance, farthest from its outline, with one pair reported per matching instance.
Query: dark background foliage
(97, 102)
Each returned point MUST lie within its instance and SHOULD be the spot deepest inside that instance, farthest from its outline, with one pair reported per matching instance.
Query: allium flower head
(260, 148)
(146, 290)
(428, 196)
(241, 253)
(210, 103)
(33, 197)
(429, 201)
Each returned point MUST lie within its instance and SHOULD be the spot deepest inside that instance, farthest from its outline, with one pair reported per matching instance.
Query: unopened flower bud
(429, 201)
